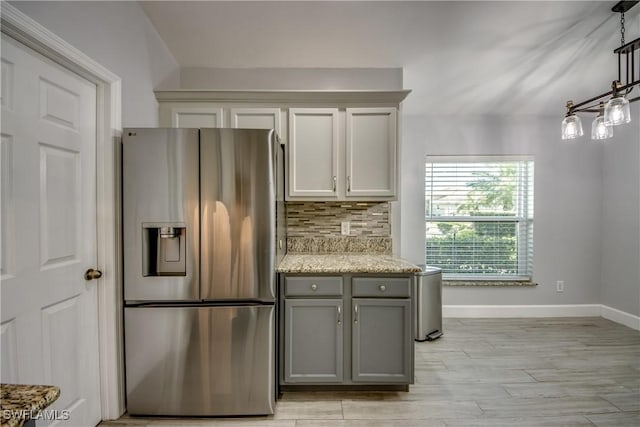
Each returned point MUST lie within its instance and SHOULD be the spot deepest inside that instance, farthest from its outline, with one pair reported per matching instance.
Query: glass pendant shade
(617, 112)
(571, 127)
(599, 130)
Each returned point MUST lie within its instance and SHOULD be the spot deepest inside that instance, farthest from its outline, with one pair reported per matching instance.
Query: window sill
(490, 283)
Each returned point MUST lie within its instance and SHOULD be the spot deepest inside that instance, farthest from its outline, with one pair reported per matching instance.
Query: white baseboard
(572, 310)
(621, 317)
(569, 310)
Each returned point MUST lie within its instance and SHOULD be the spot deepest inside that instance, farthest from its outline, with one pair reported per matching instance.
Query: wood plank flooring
(483, 372)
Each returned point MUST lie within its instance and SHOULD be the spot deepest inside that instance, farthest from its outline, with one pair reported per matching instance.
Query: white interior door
(49, 325)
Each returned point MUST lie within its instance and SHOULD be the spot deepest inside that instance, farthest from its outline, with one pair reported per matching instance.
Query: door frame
(108, 222)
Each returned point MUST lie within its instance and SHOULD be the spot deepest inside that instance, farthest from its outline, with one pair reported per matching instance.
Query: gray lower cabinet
(313, 337)
(381, 340)
(369, 343)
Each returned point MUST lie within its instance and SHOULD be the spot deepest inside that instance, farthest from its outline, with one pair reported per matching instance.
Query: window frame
(523, 220)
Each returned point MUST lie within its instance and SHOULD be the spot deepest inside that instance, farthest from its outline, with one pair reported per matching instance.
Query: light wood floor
(484, 372)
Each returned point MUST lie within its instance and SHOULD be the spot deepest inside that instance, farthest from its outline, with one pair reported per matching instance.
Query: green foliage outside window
(474, 246)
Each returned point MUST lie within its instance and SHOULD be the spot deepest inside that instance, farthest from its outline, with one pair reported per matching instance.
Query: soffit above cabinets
(287, 96)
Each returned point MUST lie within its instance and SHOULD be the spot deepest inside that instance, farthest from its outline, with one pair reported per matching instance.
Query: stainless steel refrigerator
(202, 231)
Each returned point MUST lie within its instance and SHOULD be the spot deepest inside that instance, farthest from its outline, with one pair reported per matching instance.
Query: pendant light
(571, 125)
(599, 129)
(616, 111)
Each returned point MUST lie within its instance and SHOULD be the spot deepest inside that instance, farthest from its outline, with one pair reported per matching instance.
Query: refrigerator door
(237, 207)
(160, 214)
(200, 361)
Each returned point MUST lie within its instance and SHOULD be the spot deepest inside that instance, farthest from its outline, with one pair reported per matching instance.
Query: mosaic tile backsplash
(315, 227)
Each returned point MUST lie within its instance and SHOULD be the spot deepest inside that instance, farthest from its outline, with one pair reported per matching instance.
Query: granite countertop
(345, 263)
(19, 402)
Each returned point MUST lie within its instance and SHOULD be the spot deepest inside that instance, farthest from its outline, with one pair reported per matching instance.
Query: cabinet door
(313, 341)
(382, 345)
(256, 118)
(313, 152)
(371, 152)
(196, 117)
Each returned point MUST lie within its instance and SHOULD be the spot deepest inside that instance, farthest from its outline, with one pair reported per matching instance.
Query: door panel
(237, 193)
(8, 338)
(313, 347)
(200, 361)
(371, 152)
(49, 313)
(381, 340)
(160, 189)
(256, 118)
(196, 117)
(7, 207)
(59, 210)
(313, 152)
(59, 105)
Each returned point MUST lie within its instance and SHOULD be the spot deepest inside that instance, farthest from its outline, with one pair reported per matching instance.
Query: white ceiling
(473, 57)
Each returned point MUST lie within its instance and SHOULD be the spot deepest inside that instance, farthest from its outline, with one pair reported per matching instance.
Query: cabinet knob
(314, 287)
(382, 288)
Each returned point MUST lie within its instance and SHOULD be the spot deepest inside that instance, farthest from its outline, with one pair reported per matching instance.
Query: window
(479, 217)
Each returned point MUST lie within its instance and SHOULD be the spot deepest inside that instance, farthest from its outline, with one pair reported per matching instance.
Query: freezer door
(161, 214)
(237, 192)
(200, 361)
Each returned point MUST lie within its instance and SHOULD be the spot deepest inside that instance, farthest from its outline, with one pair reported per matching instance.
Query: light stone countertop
(345, 263)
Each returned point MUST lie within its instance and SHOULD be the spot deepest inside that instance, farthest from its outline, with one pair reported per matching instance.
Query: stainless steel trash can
(427, 303)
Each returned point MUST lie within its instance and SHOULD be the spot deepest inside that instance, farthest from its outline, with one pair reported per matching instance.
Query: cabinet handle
(382, 288)
(348, 184)
(355, 316)
(339, 315)
(335, 181)
(314, 287)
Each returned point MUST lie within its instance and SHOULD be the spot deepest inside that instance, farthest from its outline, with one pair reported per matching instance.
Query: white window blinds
(479, 217)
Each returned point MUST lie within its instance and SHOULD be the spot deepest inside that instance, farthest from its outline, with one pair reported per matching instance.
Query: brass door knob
(92, 274)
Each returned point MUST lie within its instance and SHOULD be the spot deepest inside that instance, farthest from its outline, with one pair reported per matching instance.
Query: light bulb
(571, 127)
(617, 112)
(599, 130)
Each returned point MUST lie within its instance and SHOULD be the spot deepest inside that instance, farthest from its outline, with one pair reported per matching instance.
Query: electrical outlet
(560, 286)
(345, 228)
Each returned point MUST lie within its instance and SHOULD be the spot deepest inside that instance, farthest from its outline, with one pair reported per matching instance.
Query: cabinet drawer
(312, 286)
(382, 287)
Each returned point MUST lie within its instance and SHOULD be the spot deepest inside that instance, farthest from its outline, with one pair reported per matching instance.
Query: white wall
(621, 218)
(568, 207)
(119, 36)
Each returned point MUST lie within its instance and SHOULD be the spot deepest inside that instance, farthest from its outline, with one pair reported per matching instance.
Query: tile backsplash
(316, 227)
(323, 219)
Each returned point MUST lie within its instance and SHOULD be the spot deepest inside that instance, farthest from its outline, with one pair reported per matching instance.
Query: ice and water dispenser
(164, 250)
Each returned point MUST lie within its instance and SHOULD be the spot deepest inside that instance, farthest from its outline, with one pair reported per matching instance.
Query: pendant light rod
(630, 79)
(576, 107)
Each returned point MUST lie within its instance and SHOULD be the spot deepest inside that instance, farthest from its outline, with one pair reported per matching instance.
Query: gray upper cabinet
(313, 334)
(371, 152)
(313, 153)
(381, 340)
